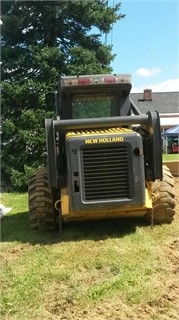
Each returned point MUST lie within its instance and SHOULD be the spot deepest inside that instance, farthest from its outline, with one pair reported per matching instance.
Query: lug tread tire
(41, 203)
(164, 206)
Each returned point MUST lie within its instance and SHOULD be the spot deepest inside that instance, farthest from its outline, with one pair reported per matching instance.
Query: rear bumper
(104, 213)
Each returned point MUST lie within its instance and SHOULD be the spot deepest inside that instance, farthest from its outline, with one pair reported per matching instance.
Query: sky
(146, 44)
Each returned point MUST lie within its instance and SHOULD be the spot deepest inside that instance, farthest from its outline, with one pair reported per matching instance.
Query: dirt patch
(163, 308)
(12, 253)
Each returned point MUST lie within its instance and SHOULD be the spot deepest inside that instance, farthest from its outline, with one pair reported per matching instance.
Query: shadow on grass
(16, 227)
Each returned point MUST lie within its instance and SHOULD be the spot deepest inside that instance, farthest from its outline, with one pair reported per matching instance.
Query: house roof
(163, 102)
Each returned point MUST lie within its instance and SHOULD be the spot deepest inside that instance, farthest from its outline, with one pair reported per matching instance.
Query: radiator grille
(105, 172)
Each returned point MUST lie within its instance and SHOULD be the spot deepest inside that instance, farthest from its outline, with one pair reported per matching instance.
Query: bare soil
(165, 307)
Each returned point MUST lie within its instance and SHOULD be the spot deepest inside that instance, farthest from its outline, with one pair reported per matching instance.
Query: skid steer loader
(104, 157)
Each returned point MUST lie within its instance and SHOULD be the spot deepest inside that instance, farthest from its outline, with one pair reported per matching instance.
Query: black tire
(42, 213)
(163, 199)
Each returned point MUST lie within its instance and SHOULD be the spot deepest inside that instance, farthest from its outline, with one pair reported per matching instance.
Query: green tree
(41, 40)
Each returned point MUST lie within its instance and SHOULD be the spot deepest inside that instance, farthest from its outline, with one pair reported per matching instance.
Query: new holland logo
(104, 140)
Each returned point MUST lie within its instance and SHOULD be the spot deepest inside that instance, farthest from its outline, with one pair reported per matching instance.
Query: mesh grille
(105, 172)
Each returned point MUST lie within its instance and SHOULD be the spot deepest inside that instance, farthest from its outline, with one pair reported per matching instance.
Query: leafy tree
(41, 40)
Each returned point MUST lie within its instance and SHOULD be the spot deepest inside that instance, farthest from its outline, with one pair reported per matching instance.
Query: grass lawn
(117, 269)
(170, 157)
